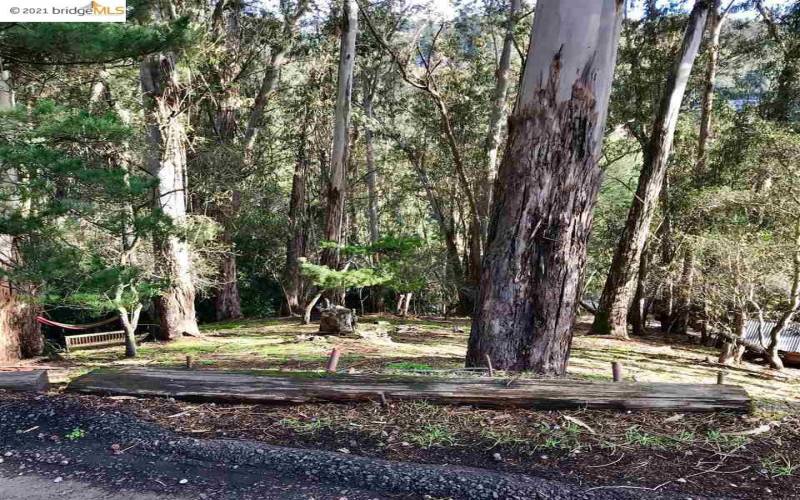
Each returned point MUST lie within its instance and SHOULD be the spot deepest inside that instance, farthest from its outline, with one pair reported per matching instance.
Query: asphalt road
(37, 487)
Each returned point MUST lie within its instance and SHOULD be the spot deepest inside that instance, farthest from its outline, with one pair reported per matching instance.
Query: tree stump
(337, 320)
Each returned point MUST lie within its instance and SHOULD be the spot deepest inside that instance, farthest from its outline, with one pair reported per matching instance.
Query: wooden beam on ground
(24, 380)
(314, 387)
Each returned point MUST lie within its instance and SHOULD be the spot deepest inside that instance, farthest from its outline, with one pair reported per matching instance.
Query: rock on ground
(337, 320)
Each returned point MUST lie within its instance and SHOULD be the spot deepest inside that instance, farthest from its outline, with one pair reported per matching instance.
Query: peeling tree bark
(337, 181)
(612, 313)
(546, 189)
(166, 161)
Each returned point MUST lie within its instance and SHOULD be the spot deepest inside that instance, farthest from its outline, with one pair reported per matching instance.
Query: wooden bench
(101, 339)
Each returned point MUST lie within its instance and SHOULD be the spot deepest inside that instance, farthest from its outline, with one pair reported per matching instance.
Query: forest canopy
(213, 160)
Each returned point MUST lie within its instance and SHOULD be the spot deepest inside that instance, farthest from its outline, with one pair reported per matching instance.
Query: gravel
(150, 449)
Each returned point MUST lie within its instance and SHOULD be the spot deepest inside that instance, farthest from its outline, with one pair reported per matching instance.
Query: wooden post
(333, 360)
(489, 364)
(616, 371)
(189, 362)
(720, 377)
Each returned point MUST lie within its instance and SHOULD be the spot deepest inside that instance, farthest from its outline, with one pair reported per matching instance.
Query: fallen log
(24, 380)
(313, 387)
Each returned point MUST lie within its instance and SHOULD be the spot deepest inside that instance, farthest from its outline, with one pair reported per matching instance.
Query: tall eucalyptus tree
(546, 189)
(337, 181)
(611, 317)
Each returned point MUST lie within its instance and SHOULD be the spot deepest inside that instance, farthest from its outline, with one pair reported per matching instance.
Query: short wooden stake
(189, 362)
(333, 360)
(489, 364)
(616, 371)
(720, 377)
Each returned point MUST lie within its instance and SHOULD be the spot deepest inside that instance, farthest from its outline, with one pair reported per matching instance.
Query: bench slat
(100, 339)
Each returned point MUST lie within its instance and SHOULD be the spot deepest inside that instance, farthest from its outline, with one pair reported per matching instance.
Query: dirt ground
(731, 456)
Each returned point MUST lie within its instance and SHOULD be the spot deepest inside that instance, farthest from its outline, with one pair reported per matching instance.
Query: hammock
(65, 326)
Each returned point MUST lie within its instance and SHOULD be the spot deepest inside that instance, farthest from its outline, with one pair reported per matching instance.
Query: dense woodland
(517, 163)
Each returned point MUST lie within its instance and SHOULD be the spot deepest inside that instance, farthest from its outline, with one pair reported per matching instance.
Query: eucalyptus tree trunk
(616, 298)
(296, 244)
(372, 172)
(309, 308)
(666, 238)
(275, 60)
(226, 26)
(638, 313)
(715, 21)
(780, 106)
(791, 309)
(337, 178)
(227, 302)
(376, 292)
(20, 335)
(682, 315)
(447, 229)
(497, 116)
(166, 161)
(10, 305)
(546, 190)
(477, 234)
(403, 303)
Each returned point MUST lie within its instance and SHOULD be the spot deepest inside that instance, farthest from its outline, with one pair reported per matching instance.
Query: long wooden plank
(314, 387)
(24, 380)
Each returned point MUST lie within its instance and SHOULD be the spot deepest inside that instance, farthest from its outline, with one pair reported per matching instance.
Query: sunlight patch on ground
(391, 343)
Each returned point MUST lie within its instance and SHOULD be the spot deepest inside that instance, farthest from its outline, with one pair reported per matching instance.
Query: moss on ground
(423, 345)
